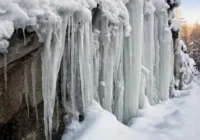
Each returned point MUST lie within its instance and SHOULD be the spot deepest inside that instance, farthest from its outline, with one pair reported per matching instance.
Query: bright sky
(191, 10)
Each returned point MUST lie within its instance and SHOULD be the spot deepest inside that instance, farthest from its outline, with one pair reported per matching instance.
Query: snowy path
(176, 119)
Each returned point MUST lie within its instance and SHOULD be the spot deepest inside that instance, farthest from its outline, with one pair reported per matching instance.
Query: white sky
(191, 10)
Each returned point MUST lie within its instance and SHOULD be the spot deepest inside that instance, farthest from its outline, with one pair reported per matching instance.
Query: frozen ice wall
(117, 52)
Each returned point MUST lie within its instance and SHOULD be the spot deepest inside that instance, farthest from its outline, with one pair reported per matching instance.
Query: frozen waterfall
(116, 52)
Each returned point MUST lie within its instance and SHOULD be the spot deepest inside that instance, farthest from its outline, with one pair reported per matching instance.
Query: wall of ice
(117, 52)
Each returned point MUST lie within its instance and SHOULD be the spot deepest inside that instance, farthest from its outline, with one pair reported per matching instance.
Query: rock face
(17, 105)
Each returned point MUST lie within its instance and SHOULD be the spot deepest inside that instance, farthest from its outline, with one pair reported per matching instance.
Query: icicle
(5, 73)
(119, 93)
(157, 59)
(33, 76)
(64, 67)
(46, 67)
(24, 35)
(73, 68)
(165, 56)
(149, 48)
(51, 59)
(142, 90)
(81, 63)
(64, 80)
(88, 68)
(143, 85)
(85, 47)
(57, 114)
(26, 89)
(96, 64)
(107, 66)
(118, 73)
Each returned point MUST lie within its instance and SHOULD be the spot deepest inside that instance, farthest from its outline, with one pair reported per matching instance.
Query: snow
(175, 119)
(6, 30)
(149, 7)
(160, 5)
(101, 125)
(183, 46)
(175, 26)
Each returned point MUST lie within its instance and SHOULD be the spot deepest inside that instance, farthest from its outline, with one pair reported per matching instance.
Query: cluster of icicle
(116, 52)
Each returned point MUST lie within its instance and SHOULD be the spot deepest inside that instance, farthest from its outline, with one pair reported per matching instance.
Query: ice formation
(117, 52)
(33, 77)
(26, 87)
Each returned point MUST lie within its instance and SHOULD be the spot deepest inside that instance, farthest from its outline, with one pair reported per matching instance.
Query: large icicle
(64, 79)
(118, 73)
(73, 65)
(106, 85)
(51, 59)
(96, 63)
(157, 58)
(85, 47)
(133, 60)
(64, 71)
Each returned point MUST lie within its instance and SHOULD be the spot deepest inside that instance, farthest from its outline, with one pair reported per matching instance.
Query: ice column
(157, 57)
(96, 63)
(165, 39)
(133, 60)
(73, 62)
(106, 85)
(118, 38)
(149, 48)
(85, 48)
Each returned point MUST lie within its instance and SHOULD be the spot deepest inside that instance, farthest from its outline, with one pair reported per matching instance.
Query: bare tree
(185, 34)
(183, 25)
(179, 16)
(194, 47)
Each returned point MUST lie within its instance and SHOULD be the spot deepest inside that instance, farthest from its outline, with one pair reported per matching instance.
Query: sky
(190, 10)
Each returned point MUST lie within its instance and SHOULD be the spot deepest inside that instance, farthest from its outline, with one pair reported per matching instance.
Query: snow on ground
(176, 119)
(100, 125)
